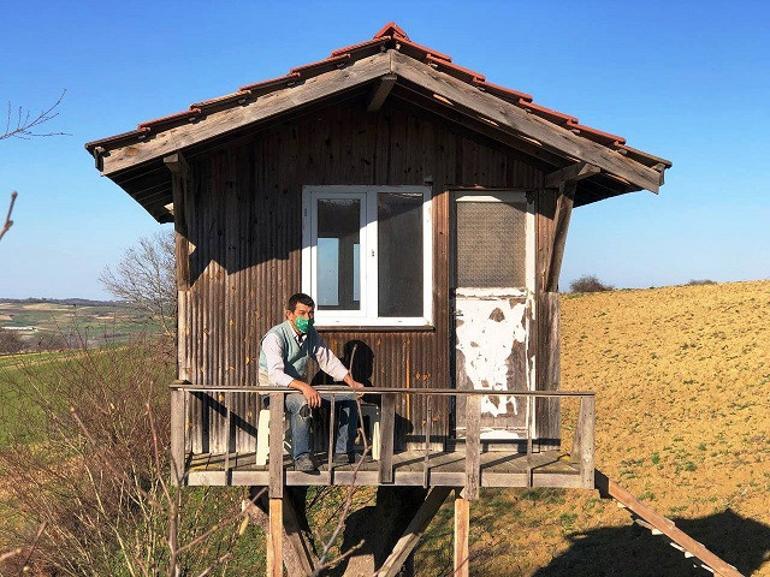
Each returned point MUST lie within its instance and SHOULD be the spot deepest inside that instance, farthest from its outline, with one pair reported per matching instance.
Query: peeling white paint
(485, 337)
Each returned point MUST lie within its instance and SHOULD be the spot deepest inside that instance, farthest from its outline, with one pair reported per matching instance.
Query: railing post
(472, 446)
(178, 436)
(275, 465)
(387, 429)
(584, 440)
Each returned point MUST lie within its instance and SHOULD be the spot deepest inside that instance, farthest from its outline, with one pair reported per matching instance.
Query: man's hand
(311, 395)
(353, 384)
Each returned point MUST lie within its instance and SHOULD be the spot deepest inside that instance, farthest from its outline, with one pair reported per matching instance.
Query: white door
(493, 290)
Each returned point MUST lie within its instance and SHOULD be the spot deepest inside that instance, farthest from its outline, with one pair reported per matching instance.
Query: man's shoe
(304, 463)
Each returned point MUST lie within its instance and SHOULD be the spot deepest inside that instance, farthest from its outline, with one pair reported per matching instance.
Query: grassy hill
(682, 376)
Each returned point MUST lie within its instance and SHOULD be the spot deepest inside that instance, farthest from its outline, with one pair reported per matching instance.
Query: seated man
(283, 359)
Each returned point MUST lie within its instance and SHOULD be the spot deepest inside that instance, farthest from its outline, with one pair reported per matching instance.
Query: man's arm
(273, 348)
(332, 366)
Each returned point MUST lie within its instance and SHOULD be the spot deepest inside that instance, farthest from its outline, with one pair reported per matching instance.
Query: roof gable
(391, 53)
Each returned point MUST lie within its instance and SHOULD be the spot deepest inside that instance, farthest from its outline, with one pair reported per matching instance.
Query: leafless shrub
(589, 284)
(698, 282)
(98, 482)
(145, 277)
(10, 342)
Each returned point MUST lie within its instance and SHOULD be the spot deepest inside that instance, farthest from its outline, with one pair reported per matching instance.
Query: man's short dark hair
(294, 299)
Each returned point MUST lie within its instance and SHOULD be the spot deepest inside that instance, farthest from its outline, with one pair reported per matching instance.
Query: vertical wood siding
(244, 212)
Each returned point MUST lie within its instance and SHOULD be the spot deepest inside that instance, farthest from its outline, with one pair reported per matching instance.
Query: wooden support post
(275, 538)
(177, 437)
(413, 532)
(586, 441)
(387, 429)
(228, 401)
(275, 465)
(562, 217)
(472, 446)
(461, 532)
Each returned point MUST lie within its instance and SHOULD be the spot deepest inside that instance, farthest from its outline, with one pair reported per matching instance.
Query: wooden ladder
(657, 524)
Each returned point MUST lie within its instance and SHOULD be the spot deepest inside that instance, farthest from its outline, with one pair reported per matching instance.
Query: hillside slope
(682, 376)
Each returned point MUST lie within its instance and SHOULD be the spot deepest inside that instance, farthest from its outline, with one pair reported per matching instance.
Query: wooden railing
(582, 448)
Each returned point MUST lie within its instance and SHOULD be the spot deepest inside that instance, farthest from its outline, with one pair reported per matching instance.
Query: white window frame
(367, 315)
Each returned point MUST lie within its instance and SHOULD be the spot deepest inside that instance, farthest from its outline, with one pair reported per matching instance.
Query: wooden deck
(443, 469)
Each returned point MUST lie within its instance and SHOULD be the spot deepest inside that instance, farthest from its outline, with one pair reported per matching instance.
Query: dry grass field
(682, 376)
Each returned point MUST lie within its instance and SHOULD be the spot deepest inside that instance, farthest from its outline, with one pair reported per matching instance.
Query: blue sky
(689, 81)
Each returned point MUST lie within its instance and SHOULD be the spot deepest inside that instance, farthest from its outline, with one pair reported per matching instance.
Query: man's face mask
(303, 324)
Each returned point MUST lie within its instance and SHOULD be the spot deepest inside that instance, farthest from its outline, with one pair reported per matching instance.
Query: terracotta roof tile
(392, 29)
(455, 70)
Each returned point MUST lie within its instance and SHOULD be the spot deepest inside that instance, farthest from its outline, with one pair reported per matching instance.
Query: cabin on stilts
(425, 209)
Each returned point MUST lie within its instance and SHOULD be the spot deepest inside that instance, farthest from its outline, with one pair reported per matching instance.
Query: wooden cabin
(425, 209)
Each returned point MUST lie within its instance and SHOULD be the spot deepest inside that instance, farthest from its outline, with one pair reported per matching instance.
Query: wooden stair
(657, 524)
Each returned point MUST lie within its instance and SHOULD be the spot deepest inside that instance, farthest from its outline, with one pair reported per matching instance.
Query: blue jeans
(300, 417)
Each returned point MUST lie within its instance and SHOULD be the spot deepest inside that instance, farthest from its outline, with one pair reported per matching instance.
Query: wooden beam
(265, 107)
(571, 173)
(564, 205)
(275, 538)
(472, 446)
(381, 92)
(177, 437)
(387, 432)
(584, 433)
(275, 463)
(461, 533)
(510, 117)
(408, 541)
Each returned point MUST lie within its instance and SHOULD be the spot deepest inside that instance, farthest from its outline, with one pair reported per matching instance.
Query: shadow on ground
(633, 552)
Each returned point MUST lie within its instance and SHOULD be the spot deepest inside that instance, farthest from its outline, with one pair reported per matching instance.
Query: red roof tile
(392, 29)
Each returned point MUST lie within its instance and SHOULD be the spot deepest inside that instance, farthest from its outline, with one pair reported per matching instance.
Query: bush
(91, 497)
(589, 284)
(697, 282)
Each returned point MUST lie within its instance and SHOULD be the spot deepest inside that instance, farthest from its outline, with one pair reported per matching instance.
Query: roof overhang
(134, 160)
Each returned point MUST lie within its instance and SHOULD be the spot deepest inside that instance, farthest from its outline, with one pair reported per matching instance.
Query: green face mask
(303, 324)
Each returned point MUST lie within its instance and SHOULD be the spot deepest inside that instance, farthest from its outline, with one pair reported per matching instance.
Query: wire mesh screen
(491, 239)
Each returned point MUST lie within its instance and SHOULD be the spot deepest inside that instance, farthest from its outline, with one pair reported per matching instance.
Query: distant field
(94, 322)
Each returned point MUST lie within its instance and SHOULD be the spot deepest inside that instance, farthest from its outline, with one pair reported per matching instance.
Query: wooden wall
(243, 221)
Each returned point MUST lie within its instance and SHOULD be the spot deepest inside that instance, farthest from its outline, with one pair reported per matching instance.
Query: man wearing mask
(285, 351)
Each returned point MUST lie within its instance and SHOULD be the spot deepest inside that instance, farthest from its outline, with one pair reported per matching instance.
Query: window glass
(400, 256)
(339, 221)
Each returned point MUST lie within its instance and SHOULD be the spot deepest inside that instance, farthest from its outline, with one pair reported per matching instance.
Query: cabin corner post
(584, 440)
(178, 167)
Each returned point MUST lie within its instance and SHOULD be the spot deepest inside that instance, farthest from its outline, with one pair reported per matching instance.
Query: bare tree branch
(146, 278)
(20, 123)
(8, 220)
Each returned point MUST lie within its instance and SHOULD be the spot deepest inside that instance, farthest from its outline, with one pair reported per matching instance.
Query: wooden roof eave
(510, 117)
(216, 124)
(451, 92)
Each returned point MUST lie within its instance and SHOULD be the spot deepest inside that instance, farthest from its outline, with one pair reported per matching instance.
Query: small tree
(589, 284)
(145, 277)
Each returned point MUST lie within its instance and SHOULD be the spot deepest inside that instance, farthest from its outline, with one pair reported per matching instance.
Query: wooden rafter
(381, 91)
(573, 172)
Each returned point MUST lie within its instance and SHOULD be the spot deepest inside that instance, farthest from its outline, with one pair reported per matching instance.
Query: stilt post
(461, 531)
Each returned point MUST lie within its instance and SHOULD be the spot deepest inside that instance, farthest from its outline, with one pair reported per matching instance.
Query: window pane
(339, 221)
(399, 240)
(491, 239)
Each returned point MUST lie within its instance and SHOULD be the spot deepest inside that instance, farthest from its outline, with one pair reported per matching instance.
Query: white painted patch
(486, 345)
